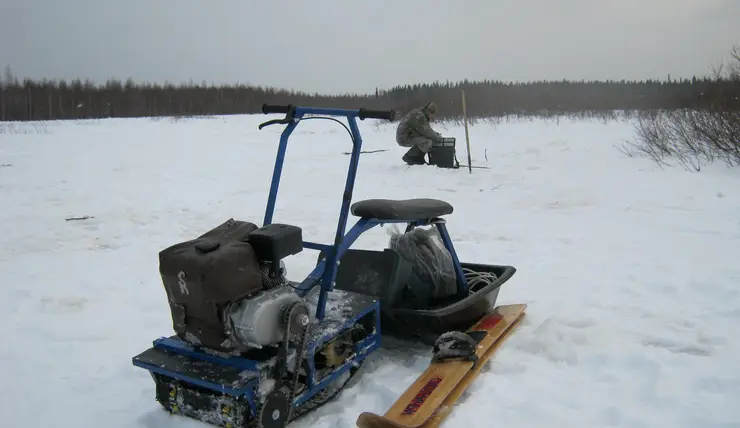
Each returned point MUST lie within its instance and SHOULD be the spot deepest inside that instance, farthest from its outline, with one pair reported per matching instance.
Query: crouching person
(414, 131)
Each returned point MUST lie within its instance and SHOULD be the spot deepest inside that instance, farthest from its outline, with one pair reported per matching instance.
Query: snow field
(630, 271)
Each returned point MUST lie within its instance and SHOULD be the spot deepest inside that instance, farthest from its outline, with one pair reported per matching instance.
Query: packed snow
(631, 272)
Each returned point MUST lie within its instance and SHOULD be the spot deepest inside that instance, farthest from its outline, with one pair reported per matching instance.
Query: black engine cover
(202, 275)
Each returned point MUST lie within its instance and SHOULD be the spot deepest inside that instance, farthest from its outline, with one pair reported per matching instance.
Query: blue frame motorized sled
(290, 346)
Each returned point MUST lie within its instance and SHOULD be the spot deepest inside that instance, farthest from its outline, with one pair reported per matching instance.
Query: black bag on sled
(203, 275)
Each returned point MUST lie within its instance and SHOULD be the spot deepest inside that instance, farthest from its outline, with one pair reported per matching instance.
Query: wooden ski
(432, 396)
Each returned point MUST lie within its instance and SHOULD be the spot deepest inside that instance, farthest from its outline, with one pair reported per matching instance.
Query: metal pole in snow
(467, 135)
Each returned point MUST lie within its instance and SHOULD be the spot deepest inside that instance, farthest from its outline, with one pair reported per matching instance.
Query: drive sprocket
(274, 412)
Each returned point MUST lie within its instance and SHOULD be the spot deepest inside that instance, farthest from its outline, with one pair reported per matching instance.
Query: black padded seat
(404, 209)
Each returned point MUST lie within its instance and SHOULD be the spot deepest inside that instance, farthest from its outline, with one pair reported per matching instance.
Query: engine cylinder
(258, 320)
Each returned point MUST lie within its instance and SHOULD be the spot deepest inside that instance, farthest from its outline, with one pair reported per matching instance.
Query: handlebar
(271, 108)
(362, 113)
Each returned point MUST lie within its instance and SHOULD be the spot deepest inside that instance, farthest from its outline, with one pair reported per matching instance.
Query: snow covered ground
(631, 273)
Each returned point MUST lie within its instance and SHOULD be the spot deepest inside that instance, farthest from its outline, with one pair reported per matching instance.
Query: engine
(227, 288)
(258, 320)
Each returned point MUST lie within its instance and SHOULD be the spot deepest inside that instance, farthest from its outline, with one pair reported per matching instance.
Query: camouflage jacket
(415, 124)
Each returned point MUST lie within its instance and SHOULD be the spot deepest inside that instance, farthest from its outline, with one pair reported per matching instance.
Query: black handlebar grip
(268, 108)
(376, 114)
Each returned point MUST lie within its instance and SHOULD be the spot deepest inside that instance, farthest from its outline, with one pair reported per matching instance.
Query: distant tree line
(24, 100)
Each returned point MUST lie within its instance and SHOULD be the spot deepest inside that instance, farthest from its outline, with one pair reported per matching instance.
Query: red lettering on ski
(422, 396)
(489, 322)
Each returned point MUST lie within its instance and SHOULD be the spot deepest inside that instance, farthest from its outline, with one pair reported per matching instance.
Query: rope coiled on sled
(478, 280)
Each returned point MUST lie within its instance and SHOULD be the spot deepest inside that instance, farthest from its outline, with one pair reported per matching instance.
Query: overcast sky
(357, 45)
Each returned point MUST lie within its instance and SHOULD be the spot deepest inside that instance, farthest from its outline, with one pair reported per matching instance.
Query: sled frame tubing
(325, 272)
(361, 226)
(327, 276)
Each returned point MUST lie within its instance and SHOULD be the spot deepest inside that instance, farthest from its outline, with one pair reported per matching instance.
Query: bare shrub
(23, 128)
(704, 134)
